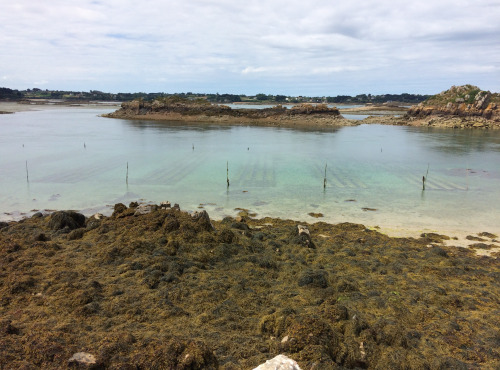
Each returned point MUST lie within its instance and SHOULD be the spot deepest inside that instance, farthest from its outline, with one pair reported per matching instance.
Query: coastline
(456, 237)
(154, 286)
(376, 115)
(9, 107)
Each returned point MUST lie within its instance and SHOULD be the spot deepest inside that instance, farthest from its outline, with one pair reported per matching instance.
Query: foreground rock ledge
(164, 288)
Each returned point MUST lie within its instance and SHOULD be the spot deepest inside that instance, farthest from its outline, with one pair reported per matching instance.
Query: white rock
(143, 209)
(303, 230)
(83, 358)
(280, 362)
(165, 204)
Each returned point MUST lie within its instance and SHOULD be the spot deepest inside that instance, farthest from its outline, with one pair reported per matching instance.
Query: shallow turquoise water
(78, 160)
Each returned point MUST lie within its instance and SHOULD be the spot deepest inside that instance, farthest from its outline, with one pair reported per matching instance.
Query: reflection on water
(78, 160)
(459, 142)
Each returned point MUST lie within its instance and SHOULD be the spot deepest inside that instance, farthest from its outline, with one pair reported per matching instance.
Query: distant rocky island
(459, 107)
(199, 110)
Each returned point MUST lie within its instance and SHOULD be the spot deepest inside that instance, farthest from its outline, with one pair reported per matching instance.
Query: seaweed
(169, 289)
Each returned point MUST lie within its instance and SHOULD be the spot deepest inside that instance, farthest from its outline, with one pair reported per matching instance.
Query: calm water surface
(78, 160)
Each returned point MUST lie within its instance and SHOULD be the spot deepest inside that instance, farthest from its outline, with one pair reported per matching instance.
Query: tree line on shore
(36, 93)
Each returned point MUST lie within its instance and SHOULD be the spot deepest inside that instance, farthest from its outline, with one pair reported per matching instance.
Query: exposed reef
(153, 287)
(179, 109)
(459, 107)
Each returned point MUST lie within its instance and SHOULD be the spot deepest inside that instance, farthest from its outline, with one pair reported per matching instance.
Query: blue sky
(313, 48)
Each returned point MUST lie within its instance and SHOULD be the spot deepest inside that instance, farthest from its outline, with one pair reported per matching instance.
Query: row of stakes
(424, 178)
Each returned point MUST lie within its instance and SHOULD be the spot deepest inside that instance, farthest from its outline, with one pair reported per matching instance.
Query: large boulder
(66, 219)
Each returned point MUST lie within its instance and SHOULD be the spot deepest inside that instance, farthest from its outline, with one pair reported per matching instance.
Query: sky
(310, 48)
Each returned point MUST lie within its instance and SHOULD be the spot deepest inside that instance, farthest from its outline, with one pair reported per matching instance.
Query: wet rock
(280, 362)
(487, 235)
(133, 205)
(3, 225)
(118, 209)
(240, 226)
(475, 238)
(434, 238)
(203, 220)
(176, 207)
(66, 219)
(315, 215)
(481, 246)
(37, 215)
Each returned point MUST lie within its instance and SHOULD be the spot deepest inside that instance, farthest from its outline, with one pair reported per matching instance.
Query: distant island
(459, 107)
(199, 110)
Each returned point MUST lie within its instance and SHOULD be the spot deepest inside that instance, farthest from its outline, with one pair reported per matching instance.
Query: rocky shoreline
(459, 107)
(155, 287)
(177, 109)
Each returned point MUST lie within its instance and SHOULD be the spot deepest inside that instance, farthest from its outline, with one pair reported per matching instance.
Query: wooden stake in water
(227, 172)
(424, 178)
(423, 182)
(27, 178)
(126, 179)
(84, 146)
(324, 179)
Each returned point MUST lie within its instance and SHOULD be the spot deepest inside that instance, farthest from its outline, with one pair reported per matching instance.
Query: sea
(73, 158)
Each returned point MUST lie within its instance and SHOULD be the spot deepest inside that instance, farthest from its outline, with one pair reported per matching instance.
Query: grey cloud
(323, 47)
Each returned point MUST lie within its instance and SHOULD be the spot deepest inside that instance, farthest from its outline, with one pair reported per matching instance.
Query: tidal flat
(156, 287)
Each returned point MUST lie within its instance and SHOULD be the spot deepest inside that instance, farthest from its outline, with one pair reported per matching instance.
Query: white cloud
(227, 46)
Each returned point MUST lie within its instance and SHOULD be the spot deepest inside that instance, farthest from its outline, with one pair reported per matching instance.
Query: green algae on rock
(169, 289)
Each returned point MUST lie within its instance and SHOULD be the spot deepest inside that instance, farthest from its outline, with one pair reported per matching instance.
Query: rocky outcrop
(178, 109)
(460, 101)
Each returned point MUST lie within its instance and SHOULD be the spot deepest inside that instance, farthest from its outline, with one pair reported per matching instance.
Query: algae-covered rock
(66, 219)
(313, 278)
(165, 290)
